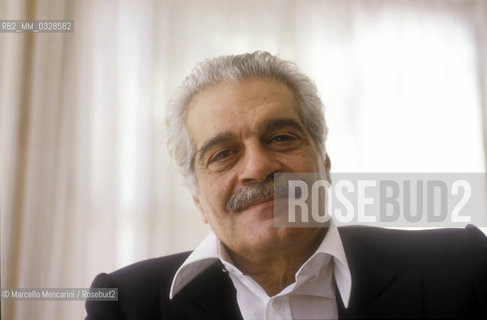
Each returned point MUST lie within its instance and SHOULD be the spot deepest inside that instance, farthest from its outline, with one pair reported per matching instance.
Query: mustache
(257, 191)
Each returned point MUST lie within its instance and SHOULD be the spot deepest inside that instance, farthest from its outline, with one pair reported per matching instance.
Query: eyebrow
(269, 125)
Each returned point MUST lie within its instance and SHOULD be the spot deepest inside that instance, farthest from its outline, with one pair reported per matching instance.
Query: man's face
(244, 131)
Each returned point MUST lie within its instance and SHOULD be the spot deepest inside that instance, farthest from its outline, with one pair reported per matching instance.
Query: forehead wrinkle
(220, 138)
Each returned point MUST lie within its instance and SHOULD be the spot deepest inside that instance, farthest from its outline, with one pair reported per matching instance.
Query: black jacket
(395, 274)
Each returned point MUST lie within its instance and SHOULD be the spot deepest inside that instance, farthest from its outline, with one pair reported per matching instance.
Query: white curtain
(86, 186)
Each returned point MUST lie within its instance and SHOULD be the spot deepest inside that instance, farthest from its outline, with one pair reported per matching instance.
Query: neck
(275, 269)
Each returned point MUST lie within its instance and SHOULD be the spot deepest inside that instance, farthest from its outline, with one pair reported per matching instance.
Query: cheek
(302, 162)
(216, 190)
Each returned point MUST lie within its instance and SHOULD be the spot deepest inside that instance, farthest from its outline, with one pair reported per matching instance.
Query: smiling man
(235, 123)
(255, 131)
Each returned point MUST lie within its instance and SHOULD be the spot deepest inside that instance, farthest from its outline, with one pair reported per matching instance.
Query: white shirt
(311, 296)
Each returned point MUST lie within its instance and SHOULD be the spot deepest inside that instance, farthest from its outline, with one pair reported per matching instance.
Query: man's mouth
(257, 194)
(257, 202)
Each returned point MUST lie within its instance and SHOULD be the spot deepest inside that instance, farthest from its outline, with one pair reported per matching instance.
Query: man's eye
(222, 155)
(283, 138)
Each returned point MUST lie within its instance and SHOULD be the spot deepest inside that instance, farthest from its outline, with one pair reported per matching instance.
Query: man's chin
(275, 240)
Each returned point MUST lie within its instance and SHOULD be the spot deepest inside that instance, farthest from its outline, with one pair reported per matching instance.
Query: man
(236, 122)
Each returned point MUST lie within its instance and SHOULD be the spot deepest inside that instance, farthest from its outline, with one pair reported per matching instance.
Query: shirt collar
(197, 262)
(211, 250)
(332, 245)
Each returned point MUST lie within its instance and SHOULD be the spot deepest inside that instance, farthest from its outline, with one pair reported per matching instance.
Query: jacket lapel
(380, 289)
(211, 295)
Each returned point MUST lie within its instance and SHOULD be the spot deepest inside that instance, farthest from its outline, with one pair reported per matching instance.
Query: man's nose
(258, 163)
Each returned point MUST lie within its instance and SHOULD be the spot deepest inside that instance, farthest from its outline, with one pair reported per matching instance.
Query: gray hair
(237, 67)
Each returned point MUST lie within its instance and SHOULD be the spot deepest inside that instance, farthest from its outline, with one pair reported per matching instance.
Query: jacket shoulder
(429, 250)
(140, 287)
(445, 270)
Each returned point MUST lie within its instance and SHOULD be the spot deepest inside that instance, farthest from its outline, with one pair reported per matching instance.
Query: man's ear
(200, 207)
(327, 164)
